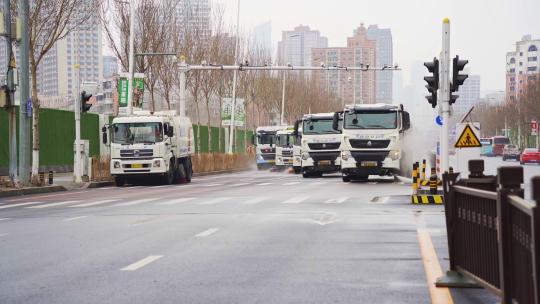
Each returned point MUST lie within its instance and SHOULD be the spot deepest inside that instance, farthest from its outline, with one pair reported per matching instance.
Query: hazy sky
(482, 31)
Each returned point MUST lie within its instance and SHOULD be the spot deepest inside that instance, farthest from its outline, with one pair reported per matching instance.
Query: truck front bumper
(328, 161)
(368, 163)
(138, 166)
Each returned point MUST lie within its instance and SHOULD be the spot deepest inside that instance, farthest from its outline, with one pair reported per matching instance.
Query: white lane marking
(177, 201)
(3, 234)
(207, 232)
(136, 202)
(263, 184)
(291, 183)
(157, 187)
(5, 219)
(240, 184)
(215, 200)
(101, 202)
(53, 205)
(337, 200)
(74, 218)
(19, 205)
(141, 263)
(327, 218)
(50, 195)
(295, 200)
(107, 188)
(211, 185)
(318, 183)
(255, 200)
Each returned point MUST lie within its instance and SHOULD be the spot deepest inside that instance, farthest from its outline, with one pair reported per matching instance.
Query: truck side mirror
(170, 131)
(406, 120)
(296, 125)
(104, 132)
(335, 121)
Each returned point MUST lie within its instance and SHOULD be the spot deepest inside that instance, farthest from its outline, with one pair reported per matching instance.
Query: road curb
(219, 172)
(93, 185)
(29, 191)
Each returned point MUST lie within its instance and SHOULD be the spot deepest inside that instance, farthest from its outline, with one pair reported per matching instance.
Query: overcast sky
(482, 31)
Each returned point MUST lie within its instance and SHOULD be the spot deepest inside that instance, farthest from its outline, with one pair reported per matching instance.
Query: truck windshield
(319, 126)
(284, 140)
(371, 120)
(266, 138)
(137, 133)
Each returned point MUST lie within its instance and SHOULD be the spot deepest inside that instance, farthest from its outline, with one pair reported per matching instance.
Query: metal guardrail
(494, 237)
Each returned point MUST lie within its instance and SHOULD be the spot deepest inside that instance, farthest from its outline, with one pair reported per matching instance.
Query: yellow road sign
(468, 139)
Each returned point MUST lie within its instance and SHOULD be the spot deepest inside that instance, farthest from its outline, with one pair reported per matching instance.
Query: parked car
(511, 152)
(530, 156)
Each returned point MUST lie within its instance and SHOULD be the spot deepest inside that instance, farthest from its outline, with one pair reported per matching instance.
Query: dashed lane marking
(4, 219)
(3, 234)
(337, 200)
(136, 202)
(291, 184)
(215, 200)
(207, 232)
(19, 205)
(295, 200)
(240, 184)
(263, 184)
(101, 202)
(74, 218)
(141, 263)
(53, 205)
(318, 183)
(255, 200)
(177, 201)
(211, 185)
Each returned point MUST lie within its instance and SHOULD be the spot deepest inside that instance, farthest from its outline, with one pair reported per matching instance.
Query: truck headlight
(259, 157)
(345, 155)
(157, 163)
(305, 156)
(116, 165)
(394, 154)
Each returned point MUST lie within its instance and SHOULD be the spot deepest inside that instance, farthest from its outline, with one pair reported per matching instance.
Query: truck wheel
(180, 175)
(168, 178)
(317, 174)
(297, 170)
(346, 178)
(188, 169)
(306, 175)
(362, 178)
(119, 181)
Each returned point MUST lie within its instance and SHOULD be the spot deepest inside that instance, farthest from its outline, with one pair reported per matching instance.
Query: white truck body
(320, 145)
(373, 140)
(284, 148)
(156, 145)
(297, 149)
(265, 141)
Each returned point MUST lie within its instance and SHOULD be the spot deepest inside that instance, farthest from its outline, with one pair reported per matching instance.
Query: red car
(530, 156)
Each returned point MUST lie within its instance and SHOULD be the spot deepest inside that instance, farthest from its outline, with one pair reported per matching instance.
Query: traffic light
(457, 78)
(432, 81)
(85, 106)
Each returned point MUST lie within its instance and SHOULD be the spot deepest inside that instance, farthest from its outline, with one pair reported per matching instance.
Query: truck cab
(155, 145)
(284, 148)
(265, 142)
(320, 144)
(373, 140)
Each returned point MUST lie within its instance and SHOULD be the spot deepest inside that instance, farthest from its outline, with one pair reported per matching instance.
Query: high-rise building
(262, 37)
(73, 60)
(522, 66)
(110, 66)
(349, 86)
(296, 45)
(469, 95)
(383, 56)
(194, 16)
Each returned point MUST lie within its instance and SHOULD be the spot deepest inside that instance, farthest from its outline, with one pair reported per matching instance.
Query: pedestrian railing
(493, 236)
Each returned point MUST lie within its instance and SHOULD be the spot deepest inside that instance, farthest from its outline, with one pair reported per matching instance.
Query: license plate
(325, 163)
(368, 164)
(137, 166)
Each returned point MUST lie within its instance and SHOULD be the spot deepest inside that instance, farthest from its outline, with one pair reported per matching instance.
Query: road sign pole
(11, 88)
(24, 94)
(77, 161)
(131, 56)
(444, 97)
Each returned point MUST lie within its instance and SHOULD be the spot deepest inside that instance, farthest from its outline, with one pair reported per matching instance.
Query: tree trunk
(209, 128)
(35, 125)
(219, 126)
(198, 141)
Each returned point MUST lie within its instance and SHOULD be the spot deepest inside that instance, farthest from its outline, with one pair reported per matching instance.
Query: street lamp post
(131, 56)
(282, 119)
(235, 78)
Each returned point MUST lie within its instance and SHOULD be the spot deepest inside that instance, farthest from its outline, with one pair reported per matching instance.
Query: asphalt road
(250, 237)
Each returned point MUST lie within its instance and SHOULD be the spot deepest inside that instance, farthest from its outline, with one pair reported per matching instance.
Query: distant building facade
(262, 37)
(469, 95)
(194, 15)
(295, 46)
(351, 87)
(110, 66)
(522, 66)
(384, 56)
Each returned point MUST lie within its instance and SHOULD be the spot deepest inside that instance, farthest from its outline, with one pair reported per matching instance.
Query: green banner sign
(123, 90)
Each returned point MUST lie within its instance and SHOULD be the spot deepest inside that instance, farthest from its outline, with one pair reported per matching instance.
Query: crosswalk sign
(468, 139)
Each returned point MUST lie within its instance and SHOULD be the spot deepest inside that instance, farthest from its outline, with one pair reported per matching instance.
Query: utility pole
(77, 163)
(182, 102)
(131, 56)
(235, 77)
(282, 120)
(24, 116)
(12, 115)
(444, 97)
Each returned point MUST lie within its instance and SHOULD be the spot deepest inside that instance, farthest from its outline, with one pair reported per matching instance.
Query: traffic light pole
(444, 94)
(11, 88)
(77, 110)
(24, 94)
